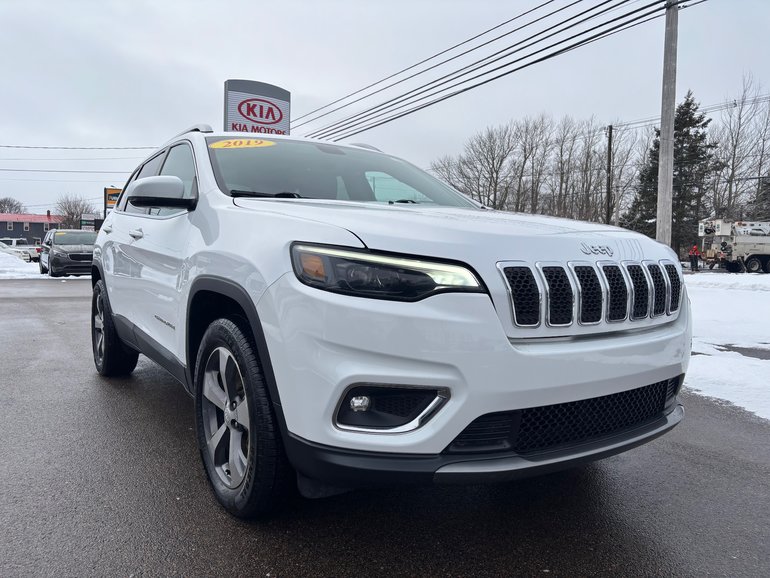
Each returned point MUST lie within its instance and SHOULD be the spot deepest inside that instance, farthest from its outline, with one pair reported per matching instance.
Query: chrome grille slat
(561, 297)
(617, 303)
(549, 296)
(659, 287)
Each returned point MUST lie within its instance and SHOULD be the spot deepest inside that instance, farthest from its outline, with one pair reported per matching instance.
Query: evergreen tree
(694, 167)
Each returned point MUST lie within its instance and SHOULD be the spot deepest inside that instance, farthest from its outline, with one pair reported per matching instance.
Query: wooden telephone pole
(667, 112)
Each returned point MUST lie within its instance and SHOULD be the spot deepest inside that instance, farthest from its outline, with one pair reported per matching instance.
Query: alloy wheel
(99, 329)
(226, 423)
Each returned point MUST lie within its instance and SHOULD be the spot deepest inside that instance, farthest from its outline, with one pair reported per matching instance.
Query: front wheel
(43, 270)
(238, 434)
(111, 356)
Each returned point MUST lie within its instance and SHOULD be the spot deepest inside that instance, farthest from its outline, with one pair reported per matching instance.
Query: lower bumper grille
(548, 427)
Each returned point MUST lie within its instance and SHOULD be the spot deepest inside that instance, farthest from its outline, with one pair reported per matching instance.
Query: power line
(506, 52)
(435, 65)
(75, 148)
(63, 171)
(603, 34)
(71, 159)
(408, 68)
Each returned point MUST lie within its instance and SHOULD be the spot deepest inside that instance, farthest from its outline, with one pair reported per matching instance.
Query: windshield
(74, 237)
(311, 170)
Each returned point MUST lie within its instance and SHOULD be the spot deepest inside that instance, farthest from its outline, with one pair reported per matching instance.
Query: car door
(161, 247)
(45, 250)
(121, 261)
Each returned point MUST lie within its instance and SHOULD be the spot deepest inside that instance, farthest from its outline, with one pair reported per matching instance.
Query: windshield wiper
(409, 201)
(259, 194)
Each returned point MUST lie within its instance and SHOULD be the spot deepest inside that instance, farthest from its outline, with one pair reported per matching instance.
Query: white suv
(343, 319)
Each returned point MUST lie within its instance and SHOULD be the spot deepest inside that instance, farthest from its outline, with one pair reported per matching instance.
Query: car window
(74, 237)
(388, 188)
(323, 171)
(149, 169)
(179, 163)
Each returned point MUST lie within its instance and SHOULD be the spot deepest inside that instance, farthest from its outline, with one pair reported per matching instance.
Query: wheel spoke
(100, 345)
(228, 372)
(212, 391)
(237, 461)
(243, 414)
(214, 442)
(98, 322)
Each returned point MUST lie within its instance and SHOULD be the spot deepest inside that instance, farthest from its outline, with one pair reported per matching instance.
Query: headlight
(375, 275)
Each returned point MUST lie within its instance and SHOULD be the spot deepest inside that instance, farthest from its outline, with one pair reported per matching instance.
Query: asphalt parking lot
(103, 478)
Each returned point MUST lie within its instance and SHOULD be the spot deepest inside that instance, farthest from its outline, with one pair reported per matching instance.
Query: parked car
(67, 252)
(9, 251)
(344, 319)
(21, 247)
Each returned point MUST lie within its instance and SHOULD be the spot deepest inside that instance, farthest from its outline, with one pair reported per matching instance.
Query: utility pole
(667, 112)
(608, 208)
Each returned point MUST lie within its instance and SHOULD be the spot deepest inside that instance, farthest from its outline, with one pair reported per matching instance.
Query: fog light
(359, 403)
(397, 408)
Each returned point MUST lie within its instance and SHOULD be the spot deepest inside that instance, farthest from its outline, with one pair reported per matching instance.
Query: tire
(52, 273)
(767, 265)
(242, 451)
(43, 270)
(111, 356)
(754, 265)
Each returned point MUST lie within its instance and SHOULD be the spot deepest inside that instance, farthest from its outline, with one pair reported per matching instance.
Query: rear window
(74, 237)
(323, 171)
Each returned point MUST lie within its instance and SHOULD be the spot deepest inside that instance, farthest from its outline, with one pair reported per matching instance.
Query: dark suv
(67, 252)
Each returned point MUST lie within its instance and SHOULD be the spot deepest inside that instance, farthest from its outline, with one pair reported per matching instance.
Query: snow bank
(731, 310)
(11, 267)
(747, 281)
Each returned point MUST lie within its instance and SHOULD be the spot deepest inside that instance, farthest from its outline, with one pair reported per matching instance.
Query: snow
(731, 311)
(11, 267)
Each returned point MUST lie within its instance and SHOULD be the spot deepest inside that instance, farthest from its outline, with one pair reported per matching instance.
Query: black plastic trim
(232, 290)
(354, 468)
(134, 337)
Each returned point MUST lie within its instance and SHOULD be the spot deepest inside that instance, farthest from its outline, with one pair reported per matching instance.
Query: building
(26, 226)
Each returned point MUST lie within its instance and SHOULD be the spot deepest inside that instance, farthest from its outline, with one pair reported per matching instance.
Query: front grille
(548, 427)
(676, 286)
(559, 296)
(591, 293)
(81, 256)
(526, 295)
(659, 289)
(618, 293)
(591, 300)
(641, 292)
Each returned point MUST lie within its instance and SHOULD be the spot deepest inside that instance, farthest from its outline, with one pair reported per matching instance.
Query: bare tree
(71, 208)
(736, 134)
(11, 205)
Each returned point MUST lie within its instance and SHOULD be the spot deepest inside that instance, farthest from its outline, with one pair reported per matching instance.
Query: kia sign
(257, 107)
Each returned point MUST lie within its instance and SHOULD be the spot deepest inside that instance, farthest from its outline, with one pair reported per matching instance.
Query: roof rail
(365, 146)
(197, 128)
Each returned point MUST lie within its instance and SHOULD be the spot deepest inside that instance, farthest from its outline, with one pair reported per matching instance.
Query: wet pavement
(103, 477)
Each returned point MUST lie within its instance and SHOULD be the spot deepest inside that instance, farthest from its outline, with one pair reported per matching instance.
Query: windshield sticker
(241, 143)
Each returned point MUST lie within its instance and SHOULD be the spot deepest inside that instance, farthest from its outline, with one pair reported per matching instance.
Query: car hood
(468, 234)
(76, 248)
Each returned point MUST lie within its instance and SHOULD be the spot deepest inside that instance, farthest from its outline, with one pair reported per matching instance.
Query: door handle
(107, 229)
(136, 234)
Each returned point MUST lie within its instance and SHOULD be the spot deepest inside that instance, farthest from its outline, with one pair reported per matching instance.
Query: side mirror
(161, 191)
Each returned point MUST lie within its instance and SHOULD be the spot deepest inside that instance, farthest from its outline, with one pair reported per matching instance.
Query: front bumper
(350, 468)
(321, 343)
(65, 266)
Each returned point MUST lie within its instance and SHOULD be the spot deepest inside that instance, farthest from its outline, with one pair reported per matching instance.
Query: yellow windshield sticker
(241, 143)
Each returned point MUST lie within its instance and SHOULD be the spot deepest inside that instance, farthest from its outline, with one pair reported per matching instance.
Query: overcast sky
(134, 73)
